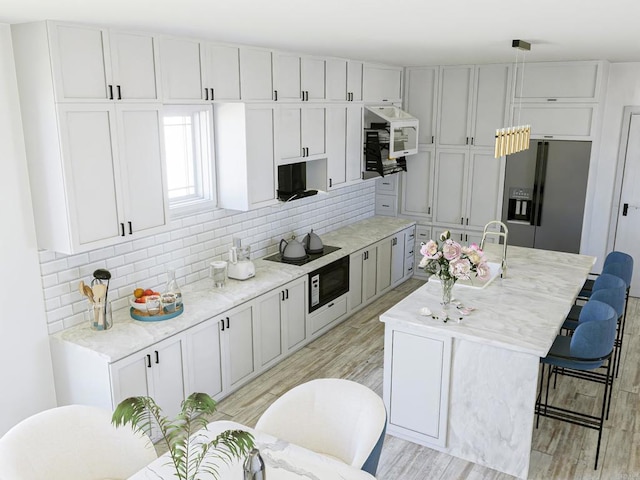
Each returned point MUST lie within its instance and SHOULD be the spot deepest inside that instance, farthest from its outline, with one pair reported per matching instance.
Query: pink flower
(451, 250)
(483, 271)
(460, 268)
(430, 249)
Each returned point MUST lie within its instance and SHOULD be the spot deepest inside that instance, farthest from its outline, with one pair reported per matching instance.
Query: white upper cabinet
(336, 145)
(456, 91)
(245, 155)
(381, 83)
(113, 169)
(491, 103)
(221, 67)
(181, 72)
(559, 82)
(336, 80)
(286, 76)
(298, 78)
(421, 100)
(256, 82)
(193, 71)
(95, 64)
(473, 104)
(300, 133)
(354, 80)
(312, 75)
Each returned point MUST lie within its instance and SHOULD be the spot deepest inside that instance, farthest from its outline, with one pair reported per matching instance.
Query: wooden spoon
(89, 293)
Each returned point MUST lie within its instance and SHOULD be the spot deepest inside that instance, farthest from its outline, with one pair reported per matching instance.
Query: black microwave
(328, 283)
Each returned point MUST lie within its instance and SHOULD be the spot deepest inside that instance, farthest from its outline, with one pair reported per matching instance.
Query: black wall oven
(328, 283)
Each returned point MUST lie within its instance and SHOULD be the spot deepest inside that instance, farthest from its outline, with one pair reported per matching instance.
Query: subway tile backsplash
(189, 246)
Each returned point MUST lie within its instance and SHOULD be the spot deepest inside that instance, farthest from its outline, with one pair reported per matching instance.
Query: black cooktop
(309, 258)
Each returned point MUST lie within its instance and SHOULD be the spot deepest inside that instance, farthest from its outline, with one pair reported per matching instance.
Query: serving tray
(146, 317)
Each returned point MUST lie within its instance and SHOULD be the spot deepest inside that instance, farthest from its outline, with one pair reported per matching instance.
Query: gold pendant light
(514, 139)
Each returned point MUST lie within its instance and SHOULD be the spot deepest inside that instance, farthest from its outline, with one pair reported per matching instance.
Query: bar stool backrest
(609, 280)
(622, 270)
(618, 257)
(614, 297)
(593, 338)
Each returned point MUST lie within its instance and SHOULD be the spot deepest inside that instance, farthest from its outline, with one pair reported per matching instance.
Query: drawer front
(328, 314)
(387, 184)
(386, 205)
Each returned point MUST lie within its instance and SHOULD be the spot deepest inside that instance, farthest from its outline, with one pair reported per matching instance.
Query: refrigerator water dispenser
(520, 204)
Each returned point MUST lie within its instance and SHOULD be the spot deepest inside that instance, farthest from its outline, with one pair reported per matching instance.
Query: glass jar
(99, 315)
(173, 288)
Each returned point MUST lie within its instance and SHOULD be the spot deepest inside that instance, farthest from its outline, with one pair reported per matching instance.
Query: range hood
(390, 135)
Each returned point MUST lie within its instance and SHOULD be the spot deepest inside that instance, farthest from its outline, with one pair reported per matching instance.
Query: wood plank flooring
(354, 350)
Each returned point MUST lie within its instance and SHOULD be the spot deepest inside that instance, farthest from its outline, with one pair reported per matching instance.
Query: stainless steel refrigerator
(544, 194)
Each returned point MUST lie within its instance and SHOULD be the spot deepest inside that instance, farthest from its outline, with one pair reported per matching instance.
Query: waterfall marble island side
(468, 388)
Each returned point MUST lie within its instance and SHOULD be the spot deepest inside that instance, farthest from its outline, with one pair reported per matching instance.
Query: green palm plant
(184, 435)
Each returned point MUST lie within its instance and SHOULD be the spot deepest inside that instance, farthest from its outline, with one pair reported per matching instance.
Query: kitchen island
(468, 387)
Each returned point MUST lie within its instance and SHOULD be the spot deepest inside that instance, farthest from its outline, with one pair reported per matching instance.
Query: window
(188, 138)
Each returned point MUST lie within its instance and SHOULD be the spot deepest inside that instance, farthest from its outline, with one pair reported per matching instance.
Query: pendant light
(514, 139)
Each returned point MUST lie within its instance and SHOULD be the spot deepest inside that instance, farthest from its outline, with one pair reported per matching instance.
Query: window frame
(208, 198)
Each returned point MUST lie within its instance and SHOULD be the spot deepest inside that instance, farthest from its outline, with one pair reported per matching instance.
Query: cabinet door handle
(625, 209)
(213, 97)
(471, 140)
(287, 290)
(227, 322)
(461, 220)
(122, 229)
(222, 322)
(130, 228)
(428, 210)
(552, 99)
(206, 93)
(330, 305)
(110, 92)
(432, 138)
(329, 183)
(157, 356)
(275, 95)
(282, 292)
(467, 220)
(148, 361)
(119, 92)
(467, 142)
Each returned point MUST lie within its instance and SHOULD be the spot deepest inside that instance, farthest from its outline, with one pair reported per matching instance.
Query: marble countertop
(202, 301)
(283, 460)
(522, 312)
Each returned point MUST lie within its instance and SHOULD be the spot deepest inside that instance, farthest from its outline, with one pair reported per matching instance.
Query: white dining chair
(74, 442)
(335, 417)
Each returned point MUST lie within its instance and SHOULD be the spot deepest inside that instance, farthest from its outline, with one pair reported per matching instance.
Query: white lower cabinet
(237, 333)
(281, 321)
(203, 360)
(416, 384)
(379, 267)
(156, 371)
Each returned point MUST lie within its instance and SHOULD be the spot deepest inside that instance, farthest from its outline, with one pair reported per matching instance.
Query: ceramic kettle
(312, 243)
(292, 250)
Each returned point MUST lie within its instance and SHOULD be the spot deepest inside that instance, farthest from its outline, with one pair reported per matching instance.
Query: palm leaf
(183, 435)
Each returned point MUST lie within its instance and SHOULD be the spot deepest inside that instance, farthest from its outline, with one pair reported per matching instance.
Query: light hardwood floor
(354, 350)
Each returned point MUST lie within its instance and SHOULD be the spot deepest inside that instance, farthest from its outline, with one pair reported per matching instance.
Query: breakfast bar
(467, 387)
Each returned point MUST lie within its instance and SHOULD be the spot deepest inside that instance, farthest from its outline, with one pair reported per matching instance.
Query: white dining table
(283, 461)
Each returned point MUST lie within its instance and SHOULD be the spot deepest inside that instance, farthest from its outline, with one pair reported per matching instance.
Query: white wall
(623, 90)
(25, 363)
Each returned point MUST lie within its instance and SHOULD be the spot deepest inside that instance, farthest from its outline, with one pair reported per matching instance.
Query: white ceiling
(400, 32)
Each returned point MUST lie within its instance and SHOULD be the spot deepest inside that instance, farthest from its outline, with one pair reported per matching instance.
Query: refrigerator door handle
(535, 206)
(541, 178)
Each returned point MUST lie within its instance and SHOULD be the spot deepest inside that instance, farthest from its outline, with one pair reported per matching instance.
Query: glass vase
(447, 287)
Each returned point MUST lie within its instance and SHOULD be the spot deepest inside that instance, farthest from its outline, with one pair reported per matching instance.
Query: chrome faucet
(502, 232)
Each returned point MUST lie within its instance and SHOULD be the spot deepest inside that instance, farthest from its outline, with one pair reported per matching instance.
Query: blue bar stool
(590, 347)
(612, 257)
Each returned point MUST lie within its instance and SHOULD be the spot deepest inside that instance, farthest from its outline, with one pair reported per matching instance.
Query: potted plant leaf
(188, 451)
